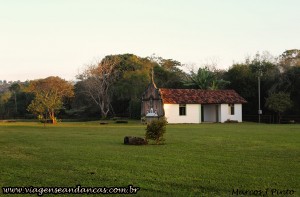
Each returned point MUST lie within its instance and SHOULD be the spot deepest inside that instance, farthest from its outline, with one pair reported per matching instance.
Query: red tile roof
(196, 96)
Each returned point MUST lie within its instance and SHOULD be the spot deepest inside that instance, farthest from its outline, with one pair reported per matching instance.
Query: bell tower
(152, 104)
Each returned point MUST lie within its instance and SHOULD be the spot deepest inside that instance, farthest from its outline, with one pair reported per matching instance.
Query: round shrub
(156, 129)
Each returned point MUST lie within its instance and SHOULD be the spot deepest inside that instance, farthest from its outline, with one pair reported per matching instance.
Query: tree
(168, 78)
(38, 106)
(4, 98)
(244, 79)
(289, 81)
(15, 88)
(129, 90)
(278, 102)
(117, 82)
(97, 80)
(205, 79)
(16, 99)
(289, 58)
(82, 106)
(263, 66)
(49, 94)
(167, 72)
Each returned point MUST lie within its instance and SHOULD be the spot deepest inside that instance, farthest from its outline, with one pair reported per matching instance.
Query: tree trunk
(16, 104)
(52, 116)
(104, 113)
(104, 110)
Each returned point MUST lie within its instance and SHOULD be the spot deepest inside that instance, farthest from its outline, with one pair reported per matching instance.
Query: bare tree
(97, 80)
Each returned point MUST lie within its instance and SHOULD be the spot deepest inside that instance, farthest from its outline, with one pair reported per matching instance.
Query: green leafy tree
(279, 102)
(130, 88)
(131, 76)
(263, 66)
(168, 78)
(38, 106)
(4, 99)
(167, 72)
(244, 79)
(16, 100)
(49, 94)
(289, 81)
(205, 79)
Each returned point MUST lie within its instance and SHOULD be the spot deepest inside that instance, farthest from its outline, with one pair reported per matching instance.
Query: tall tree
(129, 89)
(15, 88)
(49, 94)
(134, 76)
(289, 82)
(129, 76)
(97, 80)
(4, 99)
(244, 79)
(167, 72)
(289, 58)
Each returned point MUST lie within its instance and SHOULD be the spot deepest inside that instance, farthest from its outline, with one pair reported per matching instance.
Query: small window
(182, 110)
(231, 109)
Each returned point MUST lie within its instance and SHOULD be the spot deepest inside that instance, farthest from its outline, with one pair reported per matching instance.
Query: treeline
(114, 85)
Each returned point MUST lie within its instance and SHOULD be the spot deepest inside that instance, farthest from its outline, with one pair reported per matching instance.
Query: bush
(156, 129)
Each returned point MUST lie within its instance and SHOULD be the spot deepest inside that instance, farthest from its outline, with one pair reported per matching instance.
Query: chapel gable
(152, 104)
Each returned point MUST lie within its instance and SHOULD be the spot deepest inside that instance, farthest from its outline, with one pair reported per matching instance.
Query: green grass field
(196, 160)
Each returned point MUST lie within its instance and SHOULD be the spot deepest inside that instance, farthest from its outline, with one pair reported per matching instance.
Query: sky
(41, 38)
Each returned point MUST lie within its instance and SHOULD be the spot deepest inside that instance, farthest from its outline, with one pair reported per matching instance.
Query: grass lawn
(197, 160)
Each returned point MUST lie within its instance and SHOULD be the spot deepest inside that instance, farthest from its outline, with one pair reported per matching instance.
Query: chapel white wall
(193, 113)
(225, 114)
